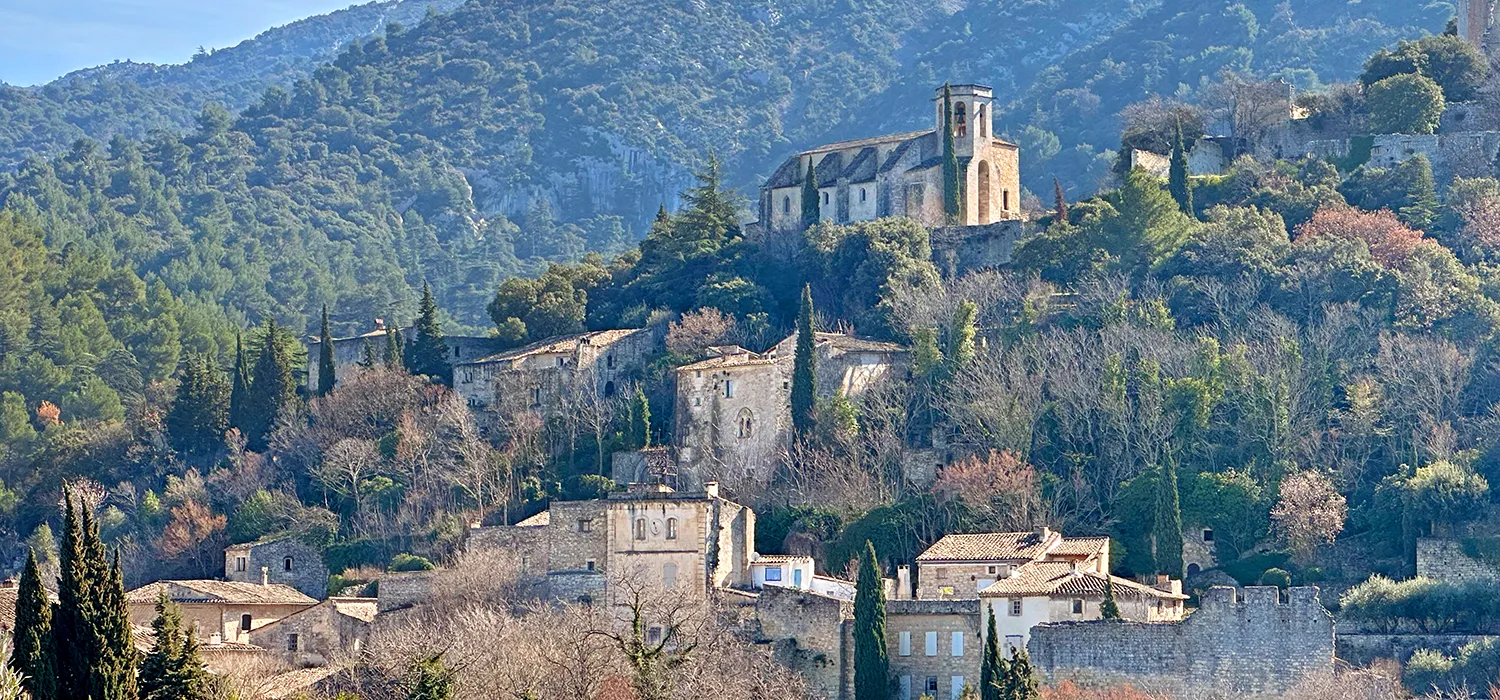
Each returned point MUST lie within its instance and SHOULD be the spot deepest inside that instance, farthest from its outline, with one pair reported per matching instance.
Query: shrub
(1425, 605)
(1279, 578)
(411, 562)
(1405, 104)
(1476, 666)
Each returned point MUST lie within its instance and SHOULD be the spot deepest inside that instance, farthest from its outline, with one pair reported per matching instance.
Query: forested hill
(492, 139)
(133, 98)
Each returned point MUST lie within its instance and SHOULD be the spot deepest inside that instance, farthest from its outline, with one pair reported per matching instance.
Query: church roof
(862, 168)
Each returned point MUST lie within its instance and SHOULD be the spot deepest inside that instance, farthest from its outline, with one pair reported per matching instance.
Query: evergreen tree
(74, 593)
(871, 657)
(1021, 683)
(239, 392)
(172, 670)
(1109, 609)
(428, 352)
(367, 355)
(811, 210)
(118, 659)
(96, 656)
(326, 371)
(200, 413)
(429, 679)
(273, 388)
(1060, 202)
(32, 653)
(393, 348)
(639, 437)
(1177, 178)
(951, 193)
(1166, 535)
(804, 369)
(993, 667)
(961, 339)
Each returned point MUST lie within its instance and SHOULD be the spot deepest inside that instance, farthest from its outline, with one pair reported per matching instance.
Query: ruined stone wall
(1445, 560)
(527, 544)
(806, 632)
(957, 250)
(1469, 154)
(404, 589)
(1256, 646)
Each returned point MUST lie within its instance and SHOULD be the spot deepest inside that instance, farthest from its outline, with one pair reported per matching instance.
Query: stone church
(902, 174)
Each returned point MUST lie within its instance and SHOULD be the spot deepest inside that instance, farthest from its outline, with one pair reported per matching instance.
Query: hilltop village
(893, 429)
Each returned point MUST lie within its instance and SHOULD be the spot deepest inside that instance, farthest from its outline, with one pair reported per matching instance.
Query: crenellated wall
(1252, 642)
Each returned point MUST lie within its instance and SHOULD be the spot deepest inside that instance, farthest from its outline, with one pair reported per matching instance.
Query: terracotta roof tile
(560, 344)
(1057, 578)
(207, 591)
(988, 546)
(1080, 546)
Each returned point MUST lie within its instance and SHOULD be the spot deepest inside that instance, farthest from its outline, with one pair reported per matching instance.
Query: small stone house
(960, 566)
(349, 352)
(541, 375)
(219, 611)
(335, 628)
(280, 559)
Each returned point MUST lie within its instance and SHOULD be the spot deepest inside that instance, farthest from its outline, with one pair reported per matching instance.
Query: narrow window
(589, 565)
(286, 564)
(1015, 607)
(291, 642)
(861, 194)
(671, 528)
(240, 563)
(728, 389)
(958, 644)
(960, 119)
(609, 361)
(669, 575)
(906, 688)
(536, 396)
(244, 623)
(903, 647)
(559, 362)
(932, 686)
(640, 528)
(786, 205)
(825, 198)
(984, 124)
(1005, 200)
(955, 687)
(931, 644)
(1077, 606)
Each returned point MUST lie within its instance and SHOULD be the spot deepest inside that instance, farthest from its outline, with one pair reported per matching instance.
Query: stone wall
(957, 250)
(1364, 649)
(806, 632)
(404, 589)
(1470, 154)
(1254, 644)
(286, 560)
(1445, 560)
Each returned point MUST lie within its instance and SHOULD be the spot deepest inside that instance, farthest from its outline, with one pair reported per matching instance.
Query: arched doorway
(984, 192)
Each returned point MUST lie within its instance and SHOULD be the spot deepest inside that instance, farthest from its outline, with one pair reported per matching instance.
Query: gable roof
(560, 344)
(989, 546)
(227, 592)
(1059, 578)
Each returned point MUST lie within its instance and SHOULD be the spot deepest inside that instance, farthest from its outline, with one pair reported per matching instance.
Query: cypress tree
(1021, 681)
(993, 667)
(1177, 178)
(74, 592)
(428, 352)
(951, 197)
(811, 211)
(1109, 609)
(96, 656)
(273, 390)
(871, 657)
(1060, 202)
(393, 348)
(640, 420)
(239, 392)
(326, 371)
(1166, 534)
(367, 355)
(200, 413)
(32, 653)
(172, 670)
(118, 659)
(804, 369)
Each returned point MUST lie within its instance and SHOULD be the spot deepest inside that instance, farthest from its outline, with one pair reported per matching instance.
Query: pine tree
(804, 369)
(273, 389)
(1060, 203)
(871, 657)
(951, 196)
(240, 385)
(393, 348)
(811, 210)
(200, 413)
(993, 667)
(428, 352)
(1166, 535)
(640, 420)
(172, 670)
(429, 679)
(1109, 609)
(326, 370)
(367, 355)
(1177, 179)
(32, 653)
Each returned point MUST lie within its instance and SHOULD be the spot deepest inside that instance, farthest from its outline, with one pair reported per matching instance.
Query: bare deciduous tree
(1309, 512)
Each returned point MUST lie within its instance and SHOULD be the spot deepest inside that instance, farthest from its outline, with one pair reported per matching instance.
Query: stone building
(336, 628)
(902, 174)
(1255, 643)
(279, 559)
(545, 375)
(349, 352)
(1475, 20)
(733, 410)
(960, 566)
(219, 611)
(694, 542)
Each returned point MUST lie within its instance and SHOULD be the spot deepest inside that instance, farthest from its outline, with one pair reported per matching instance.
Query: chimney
(216, 639)
(1075, 567)
(711, 489)
(903, 583)
(265, 575)
(1043, 532)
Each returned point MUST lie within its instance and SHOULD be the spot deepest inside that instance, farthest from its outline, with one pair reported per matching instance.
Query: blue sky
(43, 39)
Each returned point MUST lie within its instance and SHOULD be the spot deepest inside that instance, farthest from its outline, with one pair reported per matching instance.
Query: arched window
(984, 124)
(640, 528)
(286, 564)
(786, 205)
(960, 119)
(746, 423)
(671, 528)
(862, 194)
(609, 389)
(825, 197)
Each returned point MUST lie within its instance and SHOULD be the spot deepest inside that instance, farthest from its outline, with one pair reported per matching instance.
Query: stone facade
(935, 646)
(733, 410)
(348, 352)
(693, 542)
(218, 612)
(283, 560)
(399, 590)
(1445, 560)
(549, 375)
(810, 634)
(902, 174)
(1251, 644)
(959, 250)
(333, 629)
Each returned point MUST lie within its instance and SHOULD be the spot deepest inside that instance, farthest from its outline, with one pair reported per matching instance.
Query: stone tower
(1475, 18)
(971, 116)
